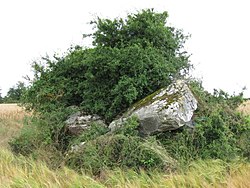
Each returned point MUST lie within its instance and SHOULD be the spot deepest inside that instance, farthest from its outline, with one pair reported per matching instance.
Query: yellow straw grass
(18, 171)
(11, 120)
(11, 111)
(245, 108)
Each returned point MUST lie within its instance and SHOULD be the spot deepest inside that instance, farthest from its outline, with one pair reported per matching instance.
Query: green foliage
(112, 151)
(145, 28)
(34, 134)
(124, 149)
(92, 133)
(131, 58)
(57, 82)
(129, 127)
(210, 140)
(15, 93)
(42, 130)
(215, 139)
(243, 138)
(218, 101)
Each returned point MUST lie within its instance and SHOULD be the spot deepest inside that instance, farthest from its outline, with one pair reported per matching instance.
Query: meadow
(245, 108)
(20, 171)
(11, 117)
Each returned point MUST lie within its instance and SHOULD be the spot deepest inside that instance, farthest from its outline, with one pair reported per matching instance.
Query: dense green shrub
(130, 59)
(112, 151)
(34, 134)
(243, 139)
(95, 130)
(42, 130)
(123, 148)
(129, 128)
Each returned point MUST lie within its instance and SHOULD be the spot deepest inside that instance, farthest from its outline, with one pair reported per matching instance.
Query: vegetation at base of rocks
(217, 114)
(130, 59)
(125, 152)
(92, 133)
(34, 134)
(130, 127)
(41, 131)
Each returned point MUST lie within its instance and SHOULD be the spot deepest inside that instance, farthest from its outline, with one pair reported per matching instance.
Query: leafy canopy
(14, 93)
(130, 59)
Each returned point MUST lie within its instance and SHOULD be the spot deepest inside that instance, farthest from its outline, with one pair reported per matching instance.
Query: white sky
(220, 32)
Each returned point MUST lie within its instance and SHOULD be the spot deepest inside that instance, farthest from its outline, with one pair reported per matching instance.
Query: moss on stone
(170, 99)
(150, 99)
(147, 100)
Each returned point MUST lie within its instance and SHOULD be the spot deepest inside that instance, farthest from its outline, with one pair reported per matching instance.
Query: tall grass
(19, 171)
(11, 117)
(25, 172)
(11, 112)
(211, 173)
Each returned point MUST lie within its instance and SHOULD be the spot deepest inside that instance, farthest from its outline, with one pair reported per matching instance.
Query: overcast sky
(220, 32)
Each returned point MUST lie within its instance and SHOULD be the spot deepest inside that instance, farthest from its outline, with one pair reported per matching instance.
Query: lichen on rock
(166, 109)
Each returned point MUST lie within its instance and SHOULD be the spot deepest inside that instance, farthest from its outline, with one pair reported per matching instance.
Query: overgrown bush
(97, 150)
(95, 130)
(243, 139)
(41, 130)
(34, 134)
(130, 59)
(130, 127)
(112, 151)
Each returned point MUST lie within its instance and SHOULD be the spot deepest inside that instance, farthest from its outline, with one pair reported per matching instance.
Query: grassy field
(245, 108)
(11, 117)
(19, 172)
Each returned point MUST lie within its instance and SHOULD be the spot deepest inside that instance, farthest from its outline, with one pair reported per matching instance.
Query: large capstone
(167, 109)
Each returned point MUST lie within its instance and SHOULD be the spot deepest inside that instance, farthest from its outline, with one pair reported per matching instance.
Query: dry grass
(11, 118)
(201, 174)
(19, 172)
(11, 112)
(245, 108)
